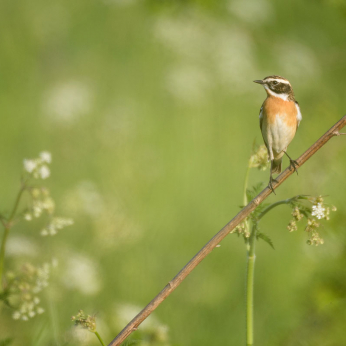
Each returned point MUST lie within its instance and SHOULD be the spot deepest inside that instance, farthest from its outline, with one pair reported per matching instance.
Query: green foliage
(251, 194)
(6, 342)
(260, 235)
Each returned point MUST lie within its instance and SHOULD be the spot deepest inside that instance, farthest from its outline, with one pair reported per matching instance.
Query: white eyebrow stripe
(278, 80)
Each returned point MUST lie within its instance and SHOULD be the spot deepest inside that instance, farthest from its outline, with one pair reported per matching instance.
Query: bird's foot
(294, 164)
(270, 185)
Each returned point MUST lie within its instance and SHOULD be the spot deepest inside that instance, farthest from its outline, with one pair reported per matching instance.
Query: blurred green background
(150, 113)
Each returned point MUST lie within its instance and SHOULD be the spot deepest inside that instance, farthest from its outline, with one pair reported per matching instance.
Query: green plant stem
(251, 256)
(100, 339)
(284, 201)
(245, 200)
(2, 252)
(7, 226)
(250, 246)
(250, 287)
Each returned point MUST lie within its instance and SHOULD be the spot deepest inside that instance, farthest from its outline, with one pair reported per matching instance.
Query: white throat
(271, 92)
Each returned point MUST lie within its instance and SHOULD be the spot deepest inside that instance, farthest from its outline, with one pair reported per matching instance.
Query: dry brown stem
(176, 281)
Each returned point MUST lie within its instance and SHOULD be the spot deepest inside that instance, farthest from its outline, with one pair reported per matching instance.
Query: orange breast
(275, 106)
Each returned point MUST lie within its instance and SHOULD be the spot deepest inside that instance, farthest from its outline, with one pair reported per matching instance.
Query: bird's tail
(276, 168)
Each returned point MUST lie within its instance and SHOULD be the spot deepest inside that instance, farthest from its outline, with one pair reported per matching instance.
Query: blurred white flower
(16, 315)
(210, 52)
(55, 262)
(46, 156)
(27, 216)
(44, 172)
(21, 245)
(38, 167)
(67, 102)
(85, 198)
(82, 336)
(56, 224)
(24, 285)
(82, 274)
(29, 165)
(251, 11)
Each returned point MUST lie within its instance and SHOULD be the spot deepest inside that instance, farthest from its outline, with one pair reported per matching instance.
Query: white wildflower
(318, 211)
(259, 158)
(27, 216)
(30, 165)
(44, 232)
(68, 102)
(21, 246)
(48, 204)
(82, 274)
(55, 262)
(31, 314)
(52, 231)
(44, 172)
(46, 156)
(61, 222)
(16, 315)
(56, 224)
(25, 318)
(252, 11)
(40, 310)
(36, 300)
(37, 209)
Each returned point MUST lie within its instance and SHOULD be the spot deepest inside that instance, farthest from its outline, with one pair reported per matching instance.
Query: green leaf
(254, 191)
(265, 238)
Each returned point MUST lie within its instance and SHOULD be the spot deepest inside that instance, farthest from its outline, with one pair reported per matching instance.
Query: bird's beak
(259, 81)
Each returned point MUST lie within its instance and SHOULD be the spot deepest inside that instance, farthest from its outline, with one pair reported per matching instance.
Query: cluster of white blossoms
(42, 202)
(241, 229)
(23, 288)
(56, 224)
(85, 321)
(38, 168)
(259, 158)
(317, 212)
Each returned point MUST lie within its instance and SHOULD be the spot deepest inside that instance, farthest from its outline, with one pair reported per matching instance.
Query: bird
(279, 119)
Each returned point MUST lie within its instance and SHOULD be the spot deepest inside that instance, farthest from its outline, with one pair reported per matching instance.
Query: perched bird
(279, 120)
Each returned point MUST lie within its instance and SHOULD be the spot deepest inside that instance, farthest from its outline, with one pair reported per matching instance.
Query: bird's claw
(294, 164)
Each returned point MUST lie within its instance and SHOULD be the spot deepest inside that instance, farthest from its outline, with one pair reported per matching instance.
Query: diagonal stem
(100, 339)
(247, 210)
(8, 225)
(251, 257)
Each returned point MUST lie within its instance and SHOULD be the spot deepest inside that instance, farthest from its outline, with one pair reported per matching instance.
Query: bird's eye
(275, 82)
